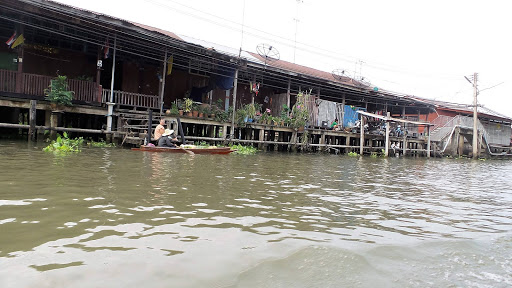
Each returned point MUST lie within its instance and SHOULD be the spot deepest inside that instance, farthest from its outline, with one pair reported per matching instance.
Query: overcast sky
(418, 48)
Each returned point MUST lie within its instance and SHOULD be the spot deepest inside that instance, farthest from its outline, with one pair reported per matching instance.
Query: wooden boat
(221, 150)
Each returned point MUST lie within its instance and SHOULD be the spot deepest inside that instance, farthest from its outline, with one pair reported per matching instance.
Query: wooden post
(98, 75)
(162, 89)
(404, 144)
(232, 132)
(32, 121)
(180, 130)
(150, 125)
(19, 75)
(261, 137)
(342, 111)
(294, 141)
(322, 142)
(54, 122)
(386, 145)
(428, 142)
(361, 136)
(288, 95)
(252, 94)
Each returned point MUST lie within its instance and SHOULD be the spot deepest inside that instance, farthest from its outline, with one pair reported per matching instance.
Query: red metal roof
(285, 65)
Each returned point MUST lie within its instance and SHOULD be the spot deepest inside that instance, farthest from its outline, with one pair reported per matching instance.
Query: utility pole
(475, 114)
(296, 19)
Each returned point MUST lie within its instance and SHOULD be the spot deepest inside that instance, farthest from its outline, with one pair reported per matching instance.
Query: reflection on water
(113, 217)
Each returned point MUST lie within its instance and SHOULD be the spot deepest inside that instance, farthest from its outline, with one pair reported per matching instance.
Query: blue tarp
(351, 116)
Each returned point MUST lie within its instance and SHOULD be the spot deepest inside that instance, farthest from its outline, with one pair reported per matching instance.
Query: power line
(329, 54)
(334, 88)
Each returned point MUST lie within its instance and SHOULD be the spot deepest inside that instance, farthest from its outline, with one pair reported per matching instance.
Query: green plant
(100, 144)
(220, 104)
(250, 110)
(174, 109)
(84, 78)
(188, 105)
(373, 155)
(352, 154)
(58, 91)
(63, 145)
(300, 113)
(240, 115)
(195, 107)
(244, 150)
(284, 111)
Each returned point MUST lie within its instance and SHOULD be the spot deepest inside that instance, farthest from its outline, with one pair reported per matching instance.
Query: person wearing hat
(160, 129)
(168, 139)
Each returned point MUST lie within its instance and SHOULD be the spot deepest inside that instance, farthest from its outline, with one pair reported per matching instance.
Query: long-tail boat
(189, 150)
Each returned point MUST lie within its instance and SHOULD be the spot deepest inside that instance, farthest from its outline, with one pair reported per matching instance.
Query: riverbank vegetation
(244, 150)
(65, 145)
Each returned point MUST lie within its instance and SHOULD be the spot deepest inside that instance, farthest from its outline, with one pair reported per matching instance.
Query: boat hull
(223, 150)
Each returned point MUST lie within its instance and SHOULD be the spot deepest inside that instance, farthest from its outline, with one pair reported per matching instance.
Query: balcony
(25, 85)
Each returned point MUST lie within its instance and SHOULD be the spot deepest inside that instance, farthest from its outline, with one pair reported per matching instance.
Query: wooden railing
(131, 99)
(34, 85)
(8, 81)
(85, 90)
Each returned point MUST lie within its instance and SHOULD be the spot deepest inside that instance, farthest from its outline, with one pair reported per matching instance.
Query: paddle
(188, 152)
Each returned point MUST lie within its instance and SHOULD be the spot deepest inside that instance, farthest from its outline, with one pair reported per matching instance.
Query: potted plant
(174, 110)
(57, 93)
(195, 111)
(251, 111)
(240, 116)
(188, 107)
(200, 111)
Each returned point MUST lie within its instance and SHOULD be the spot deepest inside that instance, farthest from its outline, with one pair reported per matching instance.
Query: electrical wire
(283, 77)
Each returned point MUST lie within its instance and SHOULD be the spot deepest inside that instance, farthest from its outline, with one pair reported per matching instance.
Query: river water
(121, 218)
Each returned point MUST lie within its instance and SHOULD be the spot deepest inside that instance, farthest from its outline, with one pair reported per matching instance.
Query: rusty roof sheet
(143, 26)
(465, 108)
(285, 65)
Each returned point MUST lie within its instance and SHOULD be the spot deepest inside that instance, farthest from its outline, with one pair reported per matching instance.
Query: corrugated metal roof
(463, 108)
(285, 65)
(143, 26)
(220, 48)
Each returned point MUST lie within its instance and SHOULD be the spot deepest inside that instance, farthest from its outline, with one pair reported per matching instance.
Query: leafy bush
(352, 154)
(58, 92)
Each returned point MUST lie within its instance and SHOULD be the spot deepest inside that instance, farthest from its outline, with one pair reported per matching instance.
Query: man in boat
(159, 130)
(168, 139)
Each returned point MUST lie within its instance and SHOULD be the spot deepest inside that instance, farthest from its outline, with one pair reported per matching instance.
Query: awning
(391, 119)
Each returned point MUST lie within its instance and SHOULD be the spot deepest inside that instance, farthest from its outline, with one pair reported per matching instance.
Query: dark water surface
(120, 218)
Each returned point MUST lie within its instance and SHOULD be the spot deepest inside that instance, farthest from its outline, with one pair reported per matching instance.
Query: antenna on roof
(339, 74)
(363, 81)
(268, 52)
